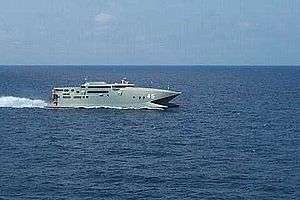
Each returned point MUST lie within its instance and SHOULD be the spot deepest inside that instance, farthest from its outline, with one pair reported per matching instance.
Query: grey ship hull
(123, 98)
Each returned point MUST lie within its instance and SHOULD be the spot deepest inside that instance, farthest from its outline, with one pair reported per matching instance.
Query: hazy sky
(261, 32)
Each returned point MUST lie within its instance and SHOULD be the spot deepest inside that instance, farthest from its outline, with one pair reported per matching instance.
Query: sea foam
(18, 102)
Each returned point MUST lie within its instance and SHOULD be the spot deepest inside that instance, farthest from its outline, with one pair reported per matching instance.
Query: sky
(150, 32)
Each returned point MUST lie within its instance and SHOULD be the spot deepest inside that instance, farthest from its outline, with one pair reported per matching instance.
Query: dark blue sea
(235, 135)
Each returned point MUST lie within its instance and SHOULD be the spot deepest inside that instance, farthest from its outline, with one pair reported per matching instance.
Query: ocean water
(234, 136)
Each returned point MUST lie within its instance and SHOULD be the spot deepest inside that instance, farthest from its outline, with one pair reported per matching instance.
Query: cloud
(103, 18)
(246, 25)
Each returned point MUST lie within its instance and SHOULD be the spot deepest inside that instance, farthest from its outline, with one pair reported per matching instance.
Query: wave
(18, 102)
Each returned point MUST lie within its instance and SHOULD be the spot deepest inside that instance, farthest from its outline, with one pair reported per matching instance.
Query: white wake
(18, 102)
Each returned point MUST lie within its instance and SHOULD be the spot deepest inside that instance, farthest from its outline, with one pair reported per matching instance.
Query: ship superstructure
(115, 95)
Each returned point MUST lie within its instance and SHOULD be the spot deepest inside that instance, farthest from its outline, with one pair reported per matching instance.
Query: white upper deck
(124, 83)
(94, 85)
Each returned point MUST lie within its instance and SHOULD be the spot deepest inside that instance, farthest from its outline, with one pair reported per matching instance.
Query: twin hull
(128, 97)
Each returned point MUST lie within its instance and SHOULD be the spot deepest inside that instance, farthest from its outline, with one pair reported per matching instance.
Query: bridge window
(99, 86)
(120, 86)
(96, 92)
(58, 90)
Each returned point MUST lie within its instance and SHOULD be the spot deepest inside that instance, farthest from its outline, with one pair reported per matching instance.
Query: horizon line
(153, 65)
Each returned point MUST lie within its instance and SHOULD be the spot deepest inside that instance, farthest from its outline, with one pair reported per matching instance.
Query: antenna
(124, 80)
